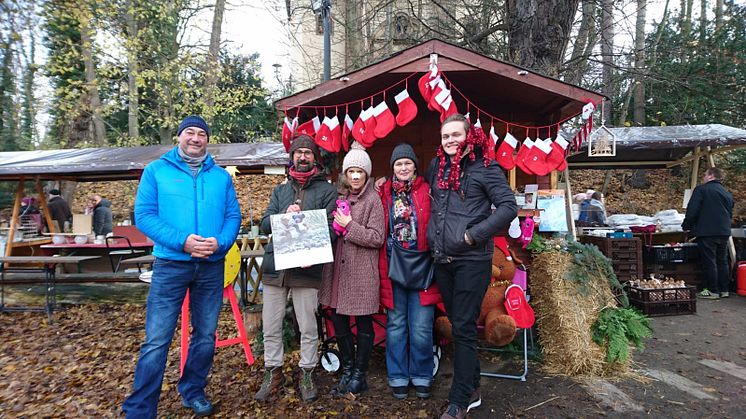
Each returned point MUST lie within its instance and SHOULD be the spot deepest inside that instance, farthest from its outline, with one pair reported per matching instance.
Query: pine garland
(616, 328)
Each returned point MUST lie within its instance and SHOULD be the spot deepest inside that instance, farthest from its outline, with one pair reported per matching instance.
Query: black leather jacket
(468, 210)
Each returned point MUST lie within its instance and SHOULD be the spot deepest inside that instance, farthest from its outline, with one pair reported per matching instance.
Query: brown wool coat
(353, 287)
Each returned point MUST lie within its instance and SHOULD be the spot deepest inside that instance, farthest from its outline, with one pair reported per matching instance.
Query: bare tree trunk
(90, 78)
(638, 116)
(702, 24)
(584, 43)
(607, 53)
(627, 98)
(718, 14)
(132, 70)
(539, 31)
(353, 34)
(686, 18)
(211, 68)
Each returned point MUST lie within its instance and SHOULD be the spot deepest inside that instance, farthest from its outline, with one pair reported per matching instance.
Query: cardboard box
(82, 224)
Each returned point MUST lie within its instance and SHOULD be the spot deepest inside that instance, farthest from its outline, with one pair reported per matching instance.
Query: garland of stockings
(533, 156)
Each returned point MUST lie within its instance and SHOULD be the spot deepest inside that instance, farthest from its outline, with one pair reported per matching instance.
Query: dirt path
(81, 366)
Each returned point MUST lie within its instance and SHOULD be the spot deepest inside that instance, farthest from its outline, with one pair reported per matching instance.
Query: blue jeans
(170, 282)
(409, 340)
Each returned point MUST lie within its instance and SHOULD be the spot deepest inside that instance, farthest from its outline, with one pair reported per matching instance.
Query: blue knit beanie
(193, 121)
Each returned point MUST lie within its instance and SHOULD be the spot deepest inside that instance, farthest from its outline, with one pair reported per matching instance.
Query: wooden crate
(625, 255)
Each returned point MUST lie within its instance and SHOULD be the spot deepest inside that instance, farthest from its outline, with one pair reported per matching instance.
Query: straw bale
(565, 315)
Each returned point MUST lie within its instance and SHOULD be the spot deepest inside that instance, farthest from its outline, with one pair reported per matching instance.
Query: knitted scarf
(194, 163)
(302, 177)
(402, 214)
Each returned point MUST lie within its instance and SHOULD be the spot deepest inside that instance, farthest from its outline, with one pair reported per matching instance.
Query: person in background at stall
(577, 200)
(410, 313)
(465, 186)
(59, 211)
(708, 220)
(102, 218)
(596, 211)
(306, 189)
(30, 213)
(187, 205)
(353, 290)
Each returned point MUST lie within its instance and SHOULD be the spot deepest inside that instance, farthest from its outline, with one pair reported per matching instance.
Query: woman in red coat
(409, 329)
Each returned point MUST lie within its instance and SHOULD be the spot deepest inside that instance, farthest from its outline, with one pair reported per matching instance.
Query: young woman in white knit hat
(353, 288)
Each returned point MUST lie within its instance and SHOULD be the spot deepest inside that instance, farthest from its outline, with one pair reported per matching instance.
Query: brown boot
(272, 383)
(307, 388)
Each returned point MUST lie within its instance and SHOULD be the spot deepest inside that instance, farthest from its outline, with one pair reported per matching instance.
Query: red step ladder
(242, 338)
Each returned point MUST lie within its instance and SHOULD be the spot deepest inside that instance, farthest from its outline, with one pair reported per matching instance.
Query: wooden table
(249, 265)
(140, 260)
(42, 264)
(91, 249)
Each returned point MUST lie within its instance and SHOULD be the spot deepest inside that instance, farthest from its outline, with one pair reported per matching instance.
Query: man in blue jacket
(187, 205)
(708, 218)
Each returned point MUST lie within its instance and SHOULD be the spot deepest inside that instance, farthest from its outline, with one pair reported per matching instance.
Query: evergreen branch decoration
(616, 328)
(587, 263)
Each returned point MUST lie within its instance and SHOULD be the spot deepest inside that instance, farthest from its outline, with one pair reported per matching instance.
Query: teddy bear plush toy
(499, 327)
(343, 207)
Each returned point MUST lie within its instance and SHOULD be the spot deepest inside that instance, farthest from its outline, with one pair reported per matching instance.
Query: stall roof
(487, 82)
(96, 164)
(660, 147)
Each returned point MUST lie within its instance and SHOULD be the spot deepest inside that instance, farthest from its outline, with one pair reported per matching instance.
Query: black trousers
(463, 284)
(713, 251)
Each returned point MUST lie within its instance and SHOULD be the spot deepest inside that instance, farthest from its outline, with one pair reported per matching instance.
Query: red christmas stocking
(557, 156)
(407, 108)
(425, 83)
(329, 135)
(536, 158)
(358, 129)
(504, 154)
(442, 102)
(346, 130)
(288, 128)
(324, 136)
(385, 121)
(527, 145)
(369, 136)
(310, 127)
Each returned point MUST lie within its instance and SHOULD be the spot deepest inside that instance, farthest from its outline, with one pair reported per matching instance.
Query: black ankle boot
(358, 383)
(347, 354)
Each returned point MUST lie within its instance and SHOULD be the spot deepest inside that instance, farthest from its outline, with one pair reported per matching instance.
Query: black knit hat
(305, 141)
(403, 151)
(193, 121)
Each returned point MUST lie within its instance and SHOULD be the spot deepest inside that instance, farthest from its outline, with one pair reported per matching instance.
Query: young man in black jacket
(465, 185)
(708, 218)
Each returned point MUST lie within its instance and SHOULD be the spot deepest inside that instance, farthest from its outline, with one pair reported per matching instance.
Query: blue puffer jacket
(171, 204)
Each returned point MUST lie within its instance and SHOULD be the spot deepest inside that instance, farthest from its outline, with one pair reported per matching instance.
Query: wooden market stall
(660, 147)
(107, 164)
(500, 95)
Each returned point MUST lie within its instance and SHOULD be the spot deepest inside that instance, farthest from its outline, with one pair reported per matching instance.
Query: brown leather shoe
(272, 383)
(308, 390)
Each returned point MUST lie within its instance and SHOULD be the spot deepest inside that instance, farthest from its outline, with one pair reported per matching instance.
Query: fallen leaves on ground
(82, 365)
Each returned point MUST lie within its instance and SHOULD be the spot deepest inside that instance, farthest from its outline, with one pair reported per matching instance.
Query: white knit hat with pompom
(357, 157)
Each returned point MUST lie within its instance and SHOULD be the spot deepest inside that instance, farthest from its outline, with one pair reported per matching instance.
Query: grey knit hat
(357, 157)
(403, 151)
